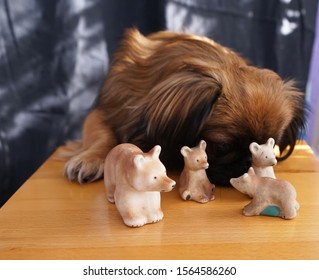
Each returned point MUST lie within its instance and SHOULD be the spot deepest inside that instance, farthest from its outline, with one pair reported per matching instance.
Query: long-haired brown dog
(175, 89)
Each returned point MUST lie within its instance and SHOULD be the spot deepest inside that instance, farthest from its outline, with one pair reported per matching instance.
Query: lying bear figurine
(267, 192)
(133, 181)
(194, 184)
(263, 158)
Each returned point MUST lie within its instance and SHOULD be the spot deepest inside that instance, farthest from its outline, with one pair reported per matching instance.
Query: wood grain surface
(51, 218)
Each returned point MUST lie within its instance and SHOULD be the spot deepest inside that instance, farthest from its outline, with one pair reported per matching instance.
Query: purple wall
(313, 94)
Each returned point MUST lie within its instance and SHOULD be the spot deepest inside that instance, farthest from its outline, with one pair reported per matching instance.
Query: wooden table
(51, 218)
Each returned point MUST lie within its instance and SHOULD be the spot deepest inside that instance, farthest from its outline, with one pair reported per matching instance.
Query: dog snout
(247, 163)
(220, 174)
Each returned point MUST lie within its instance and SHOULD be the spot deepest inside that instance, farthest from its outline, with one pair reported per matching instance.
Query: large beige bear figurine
(263, 158)
(194, 184)
(133, 181)
(267, 192)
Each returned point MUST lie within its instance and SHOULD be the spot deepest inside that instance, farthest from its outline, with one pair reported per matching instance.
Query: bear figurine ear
(271, 142)
(251, 171)
(185, 151)
(254, 147)
(202, 145)
(155, 152)
(138, 161)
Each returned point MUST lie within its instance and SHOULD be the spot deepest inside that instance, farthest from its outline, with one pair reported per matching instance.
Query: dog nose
(220, 174)
(247, 163)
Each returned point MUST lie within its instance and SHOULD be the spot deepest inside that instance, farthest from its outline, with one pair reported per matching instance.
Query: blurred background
(54, 55)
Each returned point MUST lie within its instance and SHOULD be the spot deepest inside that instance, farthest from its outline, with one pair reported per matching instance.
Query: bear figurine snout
(169, 183)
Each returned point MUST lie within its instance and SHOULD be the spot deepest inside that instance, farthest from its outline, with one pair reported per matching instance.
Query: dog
(173, 89)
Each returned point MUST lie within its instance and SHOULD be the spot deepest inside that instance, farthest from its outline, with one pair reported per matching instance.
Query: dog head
(229, 110)
(228, 113)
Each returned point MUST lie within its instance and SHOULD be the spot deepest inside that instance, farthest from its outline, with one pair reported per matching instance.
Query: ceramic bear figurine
(194, 184)
(133, 181)
(267, 192)
(263, 158)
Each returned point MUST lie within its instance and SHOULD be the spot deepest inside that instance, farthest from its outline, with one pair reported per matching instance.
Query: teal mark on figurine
(271, 210)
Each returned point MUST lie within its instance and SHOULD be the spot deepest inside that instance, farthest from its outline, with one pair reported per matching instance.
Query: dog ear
(297, 126)
(291, 135)
(178, 106)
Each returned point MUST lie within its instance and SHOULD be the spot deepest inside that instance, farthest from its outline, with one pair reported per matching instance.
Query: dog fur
(173, 89)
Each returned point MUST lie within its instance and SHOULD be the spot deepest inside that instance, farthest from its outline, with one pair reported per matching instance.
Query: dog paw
(84, 169)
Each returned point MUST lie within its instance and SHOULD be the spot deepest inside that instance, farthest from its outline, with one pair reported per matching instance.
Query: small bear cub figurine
(133, 181)
(267, 192)
(194, 184)
(263, 158)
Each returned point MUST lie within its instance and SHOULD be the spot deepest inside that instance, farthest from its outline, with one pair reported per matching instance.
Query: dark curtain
(54, 55)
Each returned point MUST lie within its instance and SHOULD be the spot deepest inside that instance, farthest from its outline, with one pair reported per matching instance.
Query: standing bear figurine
(194, 184)
(133, 181)
(263, 158)
(271, 197)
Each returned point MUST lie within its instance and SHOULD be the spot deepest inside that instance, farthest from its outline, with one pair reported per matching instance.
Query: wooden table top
(51, 218)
